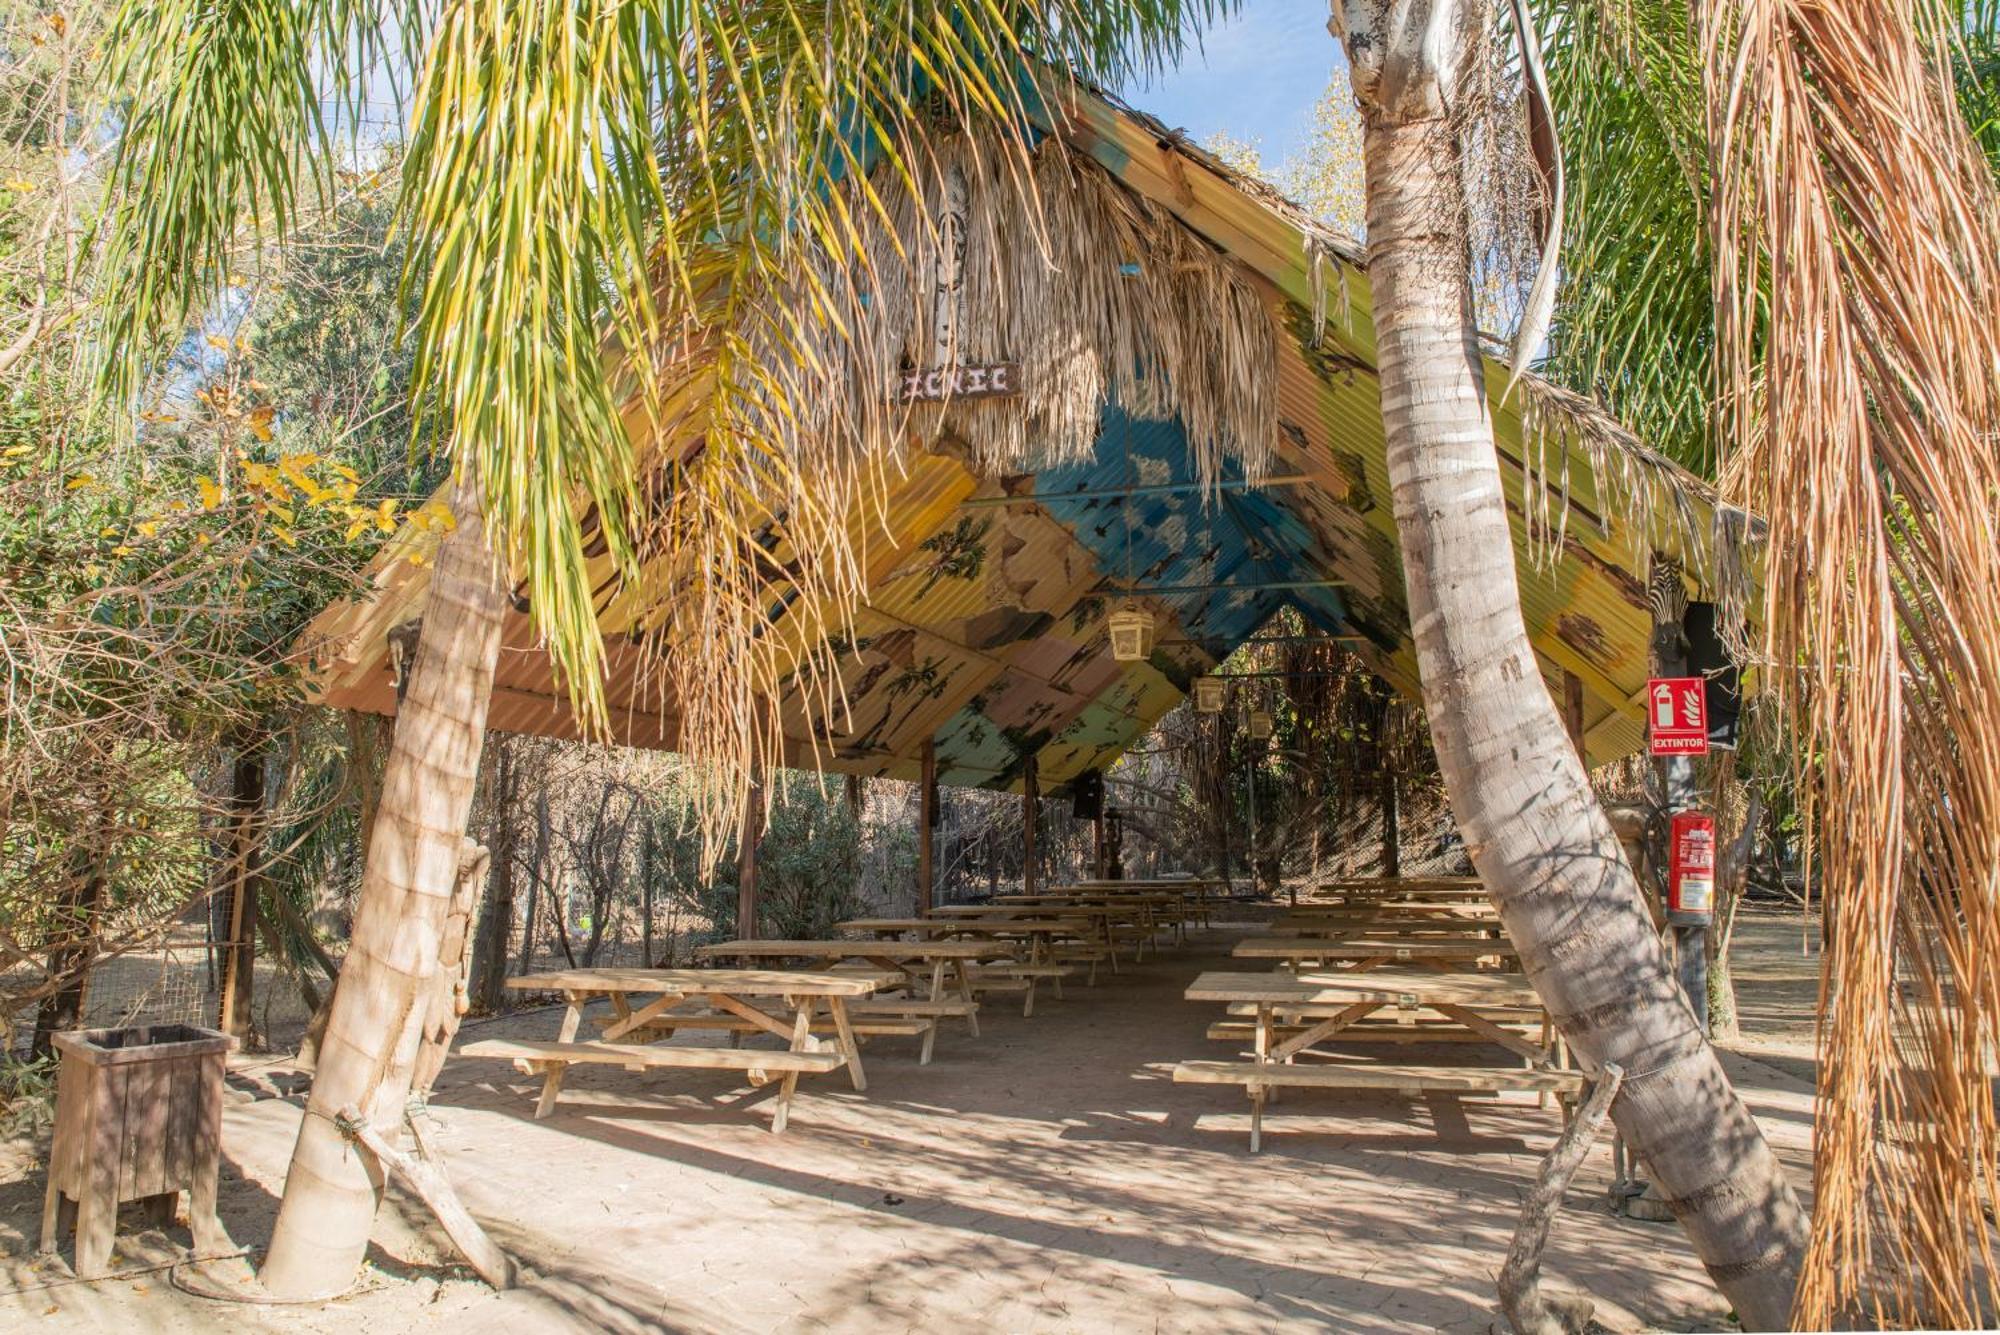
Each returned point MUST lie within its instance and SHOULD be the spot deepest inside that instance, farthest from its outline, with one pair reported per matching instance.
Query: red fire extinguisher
(1691, 867)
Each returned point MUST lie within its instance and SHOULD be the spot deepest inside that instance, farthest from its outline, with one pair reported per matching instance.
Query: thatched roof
(984, 628)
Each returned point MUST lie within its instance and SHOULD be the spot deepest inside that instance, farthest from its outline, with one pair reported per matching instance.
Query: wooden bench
(1245, 1031)
(553, 1059)
(1260, 1077)
(1020, 978)
(875, 1017)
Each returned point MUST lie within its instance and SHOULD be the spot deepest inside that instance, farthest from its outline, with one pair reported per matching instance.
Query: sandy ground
(1045, 1176)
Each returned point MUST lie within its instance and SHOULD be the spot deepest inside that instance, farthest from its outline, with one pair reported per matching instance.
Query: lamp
(1131, 634)
(1208, 695)
(1260, 724)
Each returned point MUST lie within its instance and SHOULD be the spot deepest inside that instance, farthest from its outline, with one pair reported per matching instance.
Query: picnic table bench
(1293, 1014)
(934, 969)
(731, 991)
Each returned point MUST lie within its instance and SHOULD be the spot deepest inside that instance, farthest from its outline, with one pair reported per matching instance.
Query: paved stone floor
(1045, 1176)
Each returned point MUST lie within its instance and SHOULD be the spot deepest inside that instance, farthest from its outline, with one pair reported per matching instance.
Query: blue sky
(1256, 76)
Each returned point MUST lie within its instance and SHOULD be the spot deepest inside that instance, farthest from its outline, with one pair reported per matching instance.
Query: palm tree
(1538, 837)
(1859, 373)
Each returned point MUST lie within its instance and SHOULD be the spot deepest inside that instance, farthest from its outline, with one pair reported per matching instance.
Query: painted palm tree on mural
(569, 170)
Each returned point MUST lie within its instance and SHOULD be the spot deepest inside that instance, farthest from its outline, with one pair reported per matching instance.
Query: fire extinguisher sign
(1677, 716)
(1691, 878)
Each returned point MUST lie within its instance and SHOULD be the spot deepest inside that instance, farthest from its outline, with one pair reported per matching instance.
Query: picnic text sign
(938, 383)
(1677, 716)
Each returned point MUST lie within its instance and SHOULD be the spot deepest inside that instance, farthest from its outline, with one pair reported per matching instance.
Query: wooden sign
(999, 381)
(1677, 716)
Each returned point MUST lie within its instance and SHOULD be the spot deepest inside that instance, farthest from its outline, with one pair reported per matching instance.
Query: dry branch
(428, 1180)
(1520, 1279)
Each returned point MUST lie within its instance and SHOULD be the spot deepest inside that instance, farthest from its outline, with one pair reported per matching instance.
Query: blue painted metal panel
(1244, 537)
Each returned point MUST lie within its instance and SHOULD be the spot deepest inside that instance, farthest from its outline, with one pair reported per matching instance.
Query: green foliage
(808, 861)
(27, 1095)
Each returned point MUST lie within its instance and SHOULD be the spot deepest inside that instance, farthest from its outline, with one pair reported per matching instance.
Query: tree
(1783, 269)
(1542, 844)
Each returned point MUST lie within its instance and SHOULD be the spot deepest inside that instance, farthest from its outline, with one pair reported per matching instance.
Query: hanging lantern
(1208, 695)
(1131, 634)
(1260, 724)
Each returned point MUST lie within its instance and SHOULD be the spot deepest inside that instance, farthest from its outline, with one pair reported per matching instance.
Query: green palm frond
(1634, 322)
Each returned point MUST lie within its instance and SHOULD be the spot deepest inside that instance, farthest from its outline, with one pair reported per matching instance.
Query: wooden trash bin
(138, 1117)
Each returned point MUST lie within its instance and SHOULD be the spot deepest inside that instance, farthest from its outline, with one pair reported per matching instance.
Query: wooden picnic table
(1413, 910)
(933, 966)
(728, 991)
(1142, 909)
(1293, 1014)
(1361, 954)
(1195, 890)
(1038, 933)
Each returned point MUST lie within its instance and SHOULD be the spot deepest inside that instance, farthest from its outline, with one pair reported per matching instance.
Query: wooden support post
(245, 874)
(1572, 710)
(927, 819)
(1392, 834)
(1667, 596)
(857, 800)
(1031, 803)
(1097, 865)
(746, 859)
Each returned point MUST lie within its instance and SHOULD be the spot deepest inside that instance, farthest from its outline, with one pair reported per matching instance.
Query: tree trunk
(365, 1060)
(543, 831)
(447, 998)
(746, 859)
(246, 832)
(1543, 846)
(70, 958)
(496, 921)
(646, 893)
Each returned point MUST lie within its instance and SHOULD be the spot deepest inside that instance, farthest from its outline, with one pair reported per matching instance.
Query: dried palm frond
(1095, 294)
(1857, 241)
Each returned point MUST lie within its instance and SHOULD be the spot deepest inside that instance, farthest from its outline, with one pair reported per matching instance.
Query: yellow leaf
(344, 471)
(284, 512)
(21, 184)
(148, 528)
(219, 342)
(385, 515)
(91, 571)
(59, 23)
(354, 529)
(203, 539)
(16, 451)
(107, 532)
(285, 535)
(121, 550)
(79, 481)
(211, 493)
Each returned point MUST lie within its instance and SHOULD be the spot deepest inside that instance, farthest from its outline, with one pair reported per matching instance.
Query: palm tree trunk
(1540, 841)
(365, 1060)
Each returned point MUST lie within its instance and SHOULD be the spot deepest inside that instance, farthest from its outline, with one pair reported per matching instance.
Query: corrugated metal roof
(984, 632)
